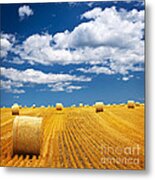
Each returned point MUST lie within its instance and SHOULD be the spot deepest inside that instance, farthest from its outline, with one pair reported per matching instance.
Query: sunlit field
(80, 137)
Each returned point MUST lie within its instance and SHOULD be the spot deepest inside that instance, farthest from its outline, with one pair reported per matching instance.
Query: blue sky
(72, 53)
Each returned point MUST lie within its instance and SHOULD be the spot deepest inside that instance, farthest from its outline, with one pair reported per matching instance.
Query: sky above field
(72, 53)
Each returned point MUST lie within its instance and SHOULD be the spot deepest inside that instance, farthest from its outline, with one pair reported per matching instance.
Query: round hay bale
(99, 106)
(59, 106)
(33, 106)
(27, 135)
(81, 105)
(15, 109)
(137, 103)
(131, 104)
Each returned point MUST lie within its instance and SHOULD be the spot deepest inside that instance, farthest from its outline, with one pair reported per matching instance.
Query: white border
(70, 174)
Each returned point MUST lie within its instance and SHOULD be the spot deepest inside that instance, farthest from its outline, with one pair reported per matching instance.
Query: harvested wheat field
(80, 137)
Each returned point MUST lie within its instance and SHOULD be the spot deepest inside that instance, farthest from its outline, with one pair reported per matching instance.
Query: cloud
(59, 86)
(17, 91)
(97, 70)
(90, 4)
(34, 49)
(71, 88)
(5, 47)
(107, 35)
(111, 28)
(39, 77)
(126, 78)
(92, 13)
(67, 86)
(11, 86)
(16, 97)
(6, 42)
(57, 82)
(73, 4)
(25, 11)
(16, 60)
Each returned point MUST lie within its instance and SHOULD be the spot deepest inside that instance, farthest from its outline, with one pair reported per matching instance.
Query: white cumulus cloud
(72, 87)
(25, 11)
(12, 86)
(97, 70)
(108, 35)
(6, 43)
(22, 78)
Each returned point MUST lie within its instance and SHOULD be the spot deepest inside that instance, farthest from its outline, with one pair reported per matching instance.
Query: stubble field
(78, 137)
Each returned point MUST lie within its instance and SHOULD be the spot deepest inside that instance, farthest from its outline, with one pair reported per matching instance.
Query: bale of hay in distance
(15, 109)
(99, 106)
(131, 104)
(137, 103)
(34, 106)
(59, 106)
(27, 135)
(81, 105)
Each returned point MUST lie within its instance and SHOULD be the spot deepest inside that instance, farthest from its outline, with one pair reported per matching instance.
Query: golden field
(78, 137)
